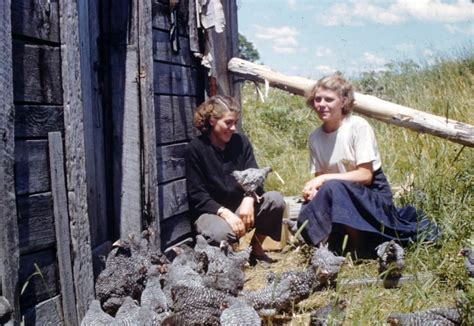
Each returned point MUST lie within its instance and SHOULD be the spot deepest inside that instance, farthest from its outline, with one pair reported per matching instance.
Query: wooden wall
(94, 71)
(178, 89)
(38, 105)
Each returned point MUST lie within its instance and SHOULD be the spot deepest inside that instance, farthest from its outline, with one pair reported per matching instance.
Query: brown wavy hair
(335, 83)
(214, 107)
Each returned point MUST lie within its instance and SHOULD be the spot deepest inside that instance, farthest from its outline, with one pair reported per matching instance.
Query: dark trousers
(268, 217)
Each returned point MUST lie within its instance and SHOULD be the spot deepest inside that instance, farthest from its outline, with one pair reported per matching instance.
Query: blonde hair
(214, 107)
(335, 83)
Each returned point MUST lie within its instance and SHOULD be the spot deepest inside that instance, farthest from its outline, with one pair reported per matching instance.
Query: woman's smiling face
(223, 128)
(328, 105)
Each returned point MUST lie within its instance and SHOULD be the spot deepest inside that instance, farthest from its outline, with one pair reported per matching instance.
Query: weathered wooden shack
(96, 102)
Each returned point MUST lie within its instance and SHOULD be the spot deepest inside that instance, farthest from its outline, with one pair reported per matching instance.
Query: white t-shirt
(353, 143)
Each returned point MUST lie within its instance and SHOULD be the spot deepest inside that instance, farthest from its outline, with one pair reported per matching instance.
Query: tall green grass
(439, 173)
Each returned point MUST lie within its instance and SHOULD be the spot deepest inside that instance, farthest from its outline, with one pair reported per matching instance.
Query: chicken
(391, 259)
(331, 314)
(225, 270)
(96, 316)
(123, 276)
(326, 264)
(153, 296)
(128, 312)
(302, 283)
(197, 305)
(276, 296)
(250, 179)
(238, 312)
(468, 255)
(434, 316)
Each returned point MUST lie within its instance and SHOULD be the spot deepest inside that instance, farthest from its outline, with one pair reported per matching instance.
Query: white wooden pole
(371, 106)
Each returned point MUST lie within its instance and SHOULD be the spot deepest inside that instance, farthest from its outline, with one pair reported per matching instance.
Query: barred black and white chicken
(250, 179)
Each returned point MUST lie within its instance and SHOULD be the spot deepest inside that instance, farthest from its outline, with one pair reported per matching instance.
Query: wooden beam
(371, 106)
(61, 223)
(75, 155)
(147, 114)
(9, 246)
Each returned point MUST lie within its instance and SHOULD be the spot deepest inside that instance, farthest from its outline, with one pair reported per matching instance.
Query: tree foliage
(247, 51)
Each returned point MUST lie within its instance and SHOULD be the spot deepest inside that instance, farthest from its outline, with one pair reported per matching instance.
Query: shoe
(264, 259)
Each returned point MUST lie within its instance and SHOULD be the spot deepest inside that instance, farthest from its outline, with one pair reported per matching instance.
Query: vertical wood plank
(131, 200)
(9, 244)
(126, 132)
(223, 48)
(93, 121)
(150, 175)
(61, 223)
(75, 156)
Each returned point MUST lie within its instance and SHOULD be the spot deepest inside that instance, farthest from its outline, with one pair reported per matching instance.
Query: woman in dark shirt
(220, 207)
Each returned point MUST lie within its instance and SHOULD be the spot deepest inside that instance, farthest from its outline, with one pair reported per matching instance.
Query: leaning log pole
(371, 106)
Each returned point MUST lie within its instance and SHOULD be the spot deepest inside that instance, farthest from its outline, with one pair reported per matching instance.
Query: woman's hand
(234, 221)
(311, 187)
(247, 211)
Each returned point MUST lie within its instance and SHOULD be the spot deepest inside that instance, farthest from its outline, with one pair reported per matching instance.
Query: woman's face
(223, 128)
(328, 105)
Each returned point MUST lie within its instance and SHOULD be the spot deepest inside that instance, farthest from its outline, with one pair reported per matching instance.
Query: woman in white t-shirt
(349, 193)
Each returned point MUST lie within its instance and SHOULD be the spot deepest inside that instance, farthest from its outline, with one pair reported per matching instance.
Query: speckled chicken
(391, 259)
(251, 178)
(331, 314)
(326, 264)
(225, 270)
(302, 283)
(468, 255)
(276, 296)
(124, 275)
(430, 317)
(239, 312)
(143, 247)
(95, 316)
(153, 296)
(197, 305)
(127, 314)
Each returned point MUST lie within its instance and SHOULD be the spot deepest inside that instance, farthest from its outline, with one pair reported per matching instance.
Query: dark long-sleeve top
(209, 182)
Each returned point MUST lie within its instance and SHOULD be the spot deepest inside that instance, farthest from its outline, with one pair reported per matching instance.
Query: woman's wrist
(220, 211)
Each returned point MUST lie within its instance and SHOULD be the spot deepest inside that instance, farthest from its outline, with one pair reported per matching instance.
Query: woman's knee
(274, 200)
(214, 229)
(332, 185)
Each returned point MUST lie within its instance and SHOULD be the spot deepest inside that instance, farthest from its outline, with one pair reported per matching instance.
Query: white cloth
(353, 143)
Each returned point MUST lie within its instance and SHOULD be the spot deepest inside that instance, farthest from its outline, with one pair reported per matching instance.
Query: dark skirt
(340, 205)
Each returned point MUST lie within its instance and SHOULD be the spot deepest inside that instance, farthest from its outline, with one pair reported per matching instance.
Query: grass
(437, 176)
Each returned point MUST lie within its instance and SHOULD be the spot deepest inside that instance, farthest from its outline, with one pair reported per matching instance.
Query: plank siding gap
(34, 41)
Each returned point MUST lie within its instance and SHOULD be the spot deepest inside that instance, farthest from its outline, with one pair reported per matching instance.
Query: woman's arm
(362, 174)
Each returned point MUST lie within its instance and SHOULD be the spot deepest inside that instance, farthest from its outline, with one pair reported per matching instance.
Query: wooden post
(147, 112)
(61, 224)
(75, 156)
(9, 244)
(371, 106)
(223, 46)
